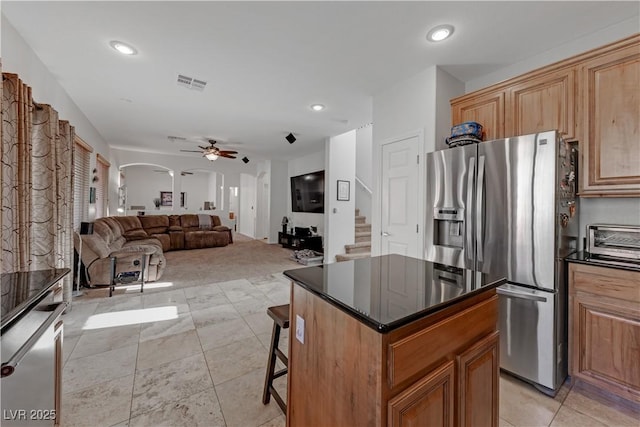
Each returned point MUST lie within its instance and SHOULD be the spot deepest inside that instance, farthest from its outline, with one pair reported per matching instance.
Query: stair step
(363, 237)
(359, 247)
(361, 219)
(363, 227)
(357, 212)
(348, 257)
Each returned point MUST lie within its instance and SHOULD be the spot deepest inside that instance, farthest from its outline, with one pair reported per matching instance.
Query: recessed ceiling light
(123, 48)
(440, 33)
(317, 107)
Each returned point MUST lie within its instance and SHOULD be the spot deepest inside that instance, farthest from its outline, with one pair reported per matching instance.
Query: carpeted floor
(245, 258)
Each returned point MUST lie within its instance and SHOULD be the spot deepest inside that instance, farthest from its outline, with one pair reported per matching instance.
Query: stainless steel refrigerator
(508, 208)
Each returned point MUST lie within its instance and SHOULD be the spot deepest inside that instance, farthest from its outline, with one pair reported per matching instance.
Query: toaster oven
(614, 242)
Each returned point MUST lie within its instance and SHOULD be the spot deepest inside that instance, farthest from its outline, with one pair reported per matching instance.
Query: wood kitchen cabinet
(610, 123)
(593, 98)
(486, 109)
(542, 103)
(604, 328)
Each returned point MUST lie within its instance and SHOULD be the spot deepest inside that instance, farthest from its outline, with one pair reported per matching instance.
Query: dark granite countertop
(390, 291)
(599, 261)
(23, 290)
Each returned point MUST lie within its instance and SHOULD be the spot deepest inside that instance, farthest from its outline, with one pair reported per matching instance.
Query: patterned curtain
(37, 196)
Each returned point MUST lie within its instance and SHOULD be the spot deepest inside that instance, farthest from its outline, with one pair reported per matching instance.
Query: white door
(247, 217)
(401, 198)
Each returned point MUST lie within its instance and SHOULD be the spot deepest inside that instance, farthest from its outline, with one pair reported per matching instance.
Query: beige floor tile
(120, 303)
(238, 295)
(150, 331)
(103, 404)
(201, 290)
(567, 417)
(155, 387)
(260, 323)
(280, 421)
(214, 315)
(159, 299)
(203, 302)
(101, 340)
(167, 349)
(248, 390)
(600, 411)
(200, 409)
(222, 334)
(252, 304)
(68, 344)
(280, 297)
(236, 359)
(523, 405)
(504, 423)
(88, 371)
(75, 318)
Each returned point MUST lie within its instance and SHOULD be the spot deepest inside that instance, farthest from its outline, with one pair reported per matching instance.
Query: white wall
(278, 199)
(603, 210)
(247, 211)
(339, 218)
(408, 107)
(364, 169)
(310, 163)
(447, 87)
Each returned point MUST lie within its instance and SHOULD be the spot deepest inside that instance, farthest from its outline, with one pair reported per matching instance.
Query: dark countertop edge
(8, 319)
(584, 257)
(385, 328)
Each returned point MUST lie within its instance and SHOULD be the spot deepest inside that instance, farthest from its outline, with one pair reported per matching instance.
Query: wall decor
(166, 198)
(92, 194)
(343, 190)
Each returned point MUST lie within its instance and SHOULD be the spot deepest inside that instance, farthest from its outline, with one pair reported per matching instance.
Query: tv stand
(300, 242)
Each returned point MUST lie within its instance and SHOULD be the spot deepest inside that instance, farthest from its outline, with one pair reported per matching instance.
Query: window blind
(102, 186)
(81, 157)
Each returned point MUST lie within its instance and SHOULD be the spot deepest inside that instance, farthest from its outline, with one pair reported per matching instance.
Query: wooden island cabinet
(593, 98)
(384, 341)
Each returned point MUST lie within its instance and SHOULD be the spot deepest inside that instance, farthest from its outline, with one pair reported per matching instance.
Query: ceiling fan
(182, 173)
(212, 152)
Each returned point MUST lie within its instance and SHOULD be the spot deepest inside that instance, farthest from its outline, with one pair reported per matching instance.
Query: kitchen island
(392, 340)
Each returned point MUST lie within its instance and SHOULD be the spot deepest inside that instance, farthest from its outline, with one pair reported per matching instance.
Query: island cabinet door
(428, 402)
(478, 383)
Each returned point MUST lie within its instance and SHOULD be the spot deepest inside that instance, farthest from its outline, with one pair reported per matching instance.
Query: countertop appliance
(31, 348)
(508, 208)
(614, 244)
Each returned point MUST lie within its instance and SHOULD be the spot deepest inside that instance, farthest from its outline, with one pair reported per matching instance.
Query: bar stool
(280, 316)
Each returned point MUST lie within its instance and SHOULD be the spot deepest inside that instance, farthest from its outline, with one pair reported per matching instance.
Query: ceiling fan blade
(204, 148)
(183, 173)
(229, 156)
(190, 151)
(227, 152)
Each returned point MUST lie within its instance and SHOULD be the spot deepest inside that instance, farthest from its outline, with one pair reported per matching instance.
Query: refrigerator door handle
(469, 233)
(521, 295)
(479, 203)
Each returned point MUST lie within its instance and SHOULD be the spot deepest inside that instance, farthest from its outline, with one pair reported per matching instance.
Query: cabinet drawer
(608, 282)
(412, 356)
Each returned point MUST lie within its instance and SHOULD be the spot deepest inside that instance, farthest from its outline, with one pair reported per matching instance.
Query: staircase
(362, 246)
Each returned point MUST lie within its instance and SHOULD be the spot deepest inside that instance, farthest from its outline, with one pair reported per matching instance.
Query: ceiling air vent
(191, 83)
(176, 138)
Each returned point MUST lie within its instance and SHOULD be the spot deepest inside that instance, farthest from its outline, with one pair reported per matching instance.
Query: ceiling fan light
(211, 156)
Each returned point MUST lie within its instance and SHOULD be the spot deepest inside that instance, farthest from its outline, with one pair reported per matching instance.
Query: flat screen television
(307, 192)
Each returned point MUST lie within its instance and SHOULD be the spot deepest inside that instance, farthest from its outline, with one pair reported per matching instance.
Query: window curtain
(37, 184)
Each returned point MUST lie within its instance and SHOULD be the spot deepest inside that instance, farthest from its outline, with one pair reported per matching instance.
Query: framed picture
(166, 198)
(183, 199)
(343, 190)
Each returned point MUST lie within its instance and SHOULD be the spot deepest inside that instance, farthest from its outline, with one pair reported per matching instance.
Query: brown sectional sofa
(126, 237)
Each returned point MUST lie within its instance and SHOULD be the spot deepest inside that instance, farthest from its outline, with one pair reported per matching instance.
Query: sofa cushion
(174, 220)
(165, 240)
(215, 221)
(154, 224)
(128, 223)
(189, 221)
(205, 239)
(136, 235)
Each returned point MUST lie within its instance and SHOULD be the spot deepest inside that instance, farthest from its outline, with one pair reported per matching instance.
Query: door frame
(376, 232)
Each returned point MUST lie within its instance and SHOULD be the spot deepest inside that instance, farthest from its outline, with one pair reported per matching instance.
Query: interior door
(400, 196)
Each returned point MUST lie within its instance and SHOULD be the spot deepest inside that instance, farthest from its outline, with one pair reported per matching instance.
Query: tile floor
(196, 356)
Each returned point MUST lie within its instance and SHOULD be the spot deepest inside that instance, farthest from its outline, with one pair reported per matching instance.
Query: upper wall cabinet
(487, 109)
(610, 131)
(542, 103)
(593, 97)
